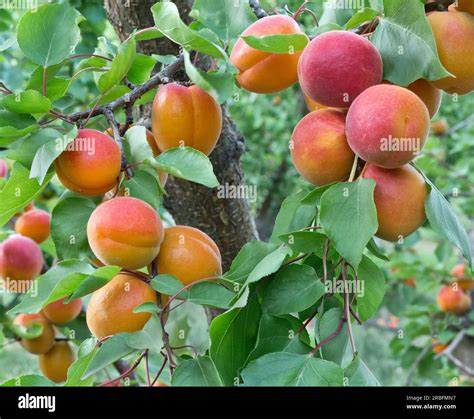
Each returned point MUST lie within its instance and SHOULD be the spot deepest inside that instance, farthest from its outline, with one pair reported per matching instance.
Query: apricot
(411, 282)
(439, 347)
(430, 95)
(387, 125)
(3, 169)
(454, 32)
(186, 116)
(21, 262)
(55, 363)
(90, 165)
(58, 312)
(440, 127)
(399, 197)
(338, 66)
(452, 299)
(465, 6)
(264, 72)
(313, 105)
(42, 343)
(189, 254)
(34, 224)
(319, 149)
(110, 309)
(459, 271)
(125, 231)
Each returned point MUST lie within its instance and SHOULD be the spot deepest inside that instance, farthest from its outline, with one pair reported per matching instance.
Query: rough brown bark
(227, 221)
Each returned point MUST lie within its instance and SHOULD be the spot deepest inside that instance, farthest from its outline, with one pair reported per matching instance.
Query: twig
(331, 336)
(165, 360)
(416, 363)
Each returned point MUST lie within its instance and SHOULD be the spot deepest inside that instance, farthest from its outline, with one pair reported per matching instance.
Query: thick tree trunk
(228, 221)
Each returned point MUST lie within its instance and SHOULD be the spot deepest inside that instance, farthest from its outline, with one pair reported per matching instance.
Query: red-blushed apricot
(189, 254)
(160, 384)
(399, 197)
(454, 32)
(430, 95)
(55, 363)
(462, 277)
(110, 308)
(387, 125)
(42, 343)
(34, 224)
(59, 313)
(3, 169)
(319, 148)
(313, 105)
(338, 66)
(21, 262)
(459, 271)
(264, 72)
(452, 299)
(90, 165)
(185, 116)
(440, 127)
(125, 231)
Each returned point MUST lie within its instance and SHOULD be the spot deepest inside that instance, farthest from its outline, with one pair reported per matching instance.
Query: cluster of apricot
(355, 112)
(128, 232)
(55, 355)
(454, 297)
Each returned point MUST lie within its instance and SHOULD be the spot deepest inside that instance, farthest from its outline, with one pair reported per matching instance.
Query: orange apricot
(42, 343)
(185, 116)
(55, 363)
(452, 299)
(59, 312)
(34, 224)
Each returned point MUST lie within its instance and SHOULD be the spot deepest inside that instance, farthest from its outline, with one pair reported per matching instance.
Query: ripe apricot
(399, 197)
(313, 105)
(110, 309)
(452, 299)
(337, 66)
(439, 347)
(42, 343)
(21, 262)
(440, 127)
(90, 165)
(58, 312)
(189, 254)
(185, 116)
(34, 224)
(387, 125)
(125, 231)
(3, 169)
(465, 6)
(55, 363)
(454, 32)
(319, 149)
(264, 72)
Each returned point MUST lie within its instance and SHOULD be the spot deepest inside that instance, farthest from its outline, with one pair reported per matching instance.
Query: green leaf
(144, 186)
(314, 197)
(120, 66)
(167, 20)
(305, 241)
(278, 44)
(219, 84)
(48, 34)
(186, 163)
(292, 215)
(280, 334)
(110, 351)
(18, 192)
(406, 43)
(443, 220)
(149, 337)
(228, 20)
(373, 281)
(56, 87)
(359, 374)
(376, 251)
(27, 102)
(168, 284)
(364, 15)
(49, 152)
(294, 289)
(28, 381)
(14, 126)
(335, 348)
(286, 369)
(269, 264)
(349, 217)
(233, 336)
(247, 260)
(141, 68)
(199, 372)
(136, 145)
(87, 352)
(69, 227)
(210, 294)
